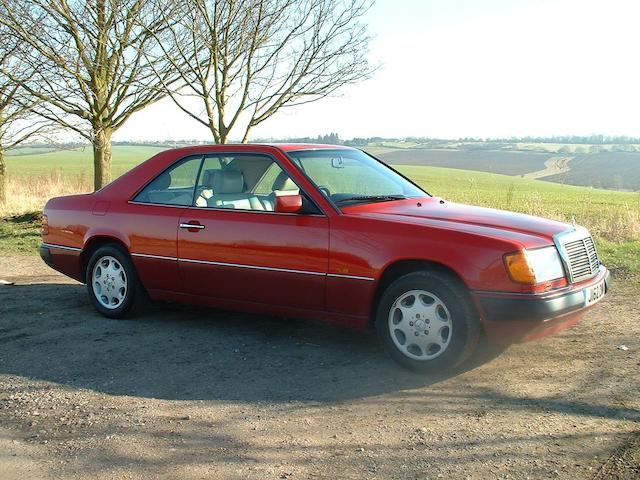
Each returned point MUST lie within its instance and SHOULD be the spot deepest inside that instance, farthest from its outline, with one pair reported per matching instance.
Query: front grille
(582, 258)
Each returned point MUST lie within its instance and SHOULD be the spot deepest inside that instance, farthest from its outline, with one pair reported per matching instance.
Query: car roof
(289, 147)
(285, 147)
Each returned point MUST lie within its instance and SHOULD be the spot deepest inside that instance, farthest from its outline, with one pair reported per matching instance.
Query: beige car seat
(206, 192)
(227, 191)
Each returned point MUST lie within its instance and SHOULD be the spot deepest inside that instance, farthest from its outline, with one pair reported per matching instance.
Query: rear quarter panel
(68, 219)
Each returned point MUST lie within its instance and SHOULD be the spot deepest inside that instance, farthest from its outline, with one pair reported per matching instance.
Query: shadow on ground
(49, 332)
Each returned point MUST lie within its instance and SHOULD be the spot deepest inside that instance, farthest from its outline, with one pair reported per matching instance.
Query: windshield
(349, 177)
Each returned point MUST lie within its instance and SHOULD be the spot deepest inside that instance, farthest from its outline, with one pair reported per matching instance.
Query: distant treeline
(571, 139)
(334, 138)
(426, 142)
(566, 139)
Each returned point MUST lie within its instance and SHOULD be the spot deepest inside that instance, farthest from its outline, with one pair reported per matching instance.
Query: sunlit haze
(459, 68)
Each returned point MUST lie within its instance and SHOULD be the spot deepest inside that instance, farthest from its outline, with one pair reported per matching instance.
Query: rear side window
(174, 186)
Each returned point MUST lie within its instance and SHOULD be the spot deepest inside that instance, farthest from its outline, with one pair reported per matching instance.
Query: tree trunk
(101, 157)
(3, 179)
(245, 139)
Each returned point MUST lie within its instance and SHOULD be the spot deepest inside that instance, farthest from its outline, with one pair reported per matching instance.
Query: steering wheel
(325, 190)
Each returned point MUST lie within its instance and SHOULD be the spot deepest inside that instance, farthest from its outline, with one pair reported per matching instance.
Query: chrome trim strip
(62, 247)
(194, 208)
(133, 202)
(159, 257)
(351, 277)
(255, 267)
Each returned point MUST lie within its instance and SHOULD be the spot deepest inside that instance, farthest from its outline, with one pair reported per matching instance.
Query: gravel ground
(190, 393)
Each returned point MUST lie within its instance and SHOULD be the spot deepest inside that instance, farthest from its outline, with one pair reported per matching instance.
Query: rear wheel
(426, 322)
(112, 282)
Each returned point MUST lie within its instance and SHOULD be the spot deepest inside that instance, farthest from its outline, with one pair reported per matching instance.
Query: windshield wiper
(370, 198)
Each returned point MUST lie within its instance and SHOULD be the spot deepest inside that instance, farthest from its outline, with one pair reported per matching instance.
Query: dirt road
(187, 393)
(553, 166)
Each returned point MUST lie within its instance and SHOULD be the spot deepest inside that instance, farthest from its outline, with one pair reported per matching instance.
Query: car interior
(241, 182)
(227, 189)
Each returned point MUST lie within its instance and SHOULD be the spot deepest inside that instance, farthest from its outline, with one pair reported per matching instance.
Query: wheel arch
(403, 267)
(95, 242)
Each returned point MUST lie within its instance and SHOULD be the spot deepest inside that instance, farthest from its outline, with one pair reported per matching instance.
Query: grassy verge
(621, 258)
(20, 234)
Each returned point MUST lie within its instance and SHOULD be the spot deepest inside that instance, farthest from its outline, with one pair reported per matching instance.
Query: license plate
(594, 293)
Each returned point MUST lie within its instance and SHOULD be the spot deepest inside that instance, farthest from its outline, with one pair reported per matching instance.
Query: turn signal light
(519, 268)
(45, 225)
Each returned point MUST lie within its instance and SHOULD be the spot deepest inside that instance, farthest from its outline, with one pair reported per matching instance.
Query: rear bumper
(47, 257)
(64, 259)
(519, 317)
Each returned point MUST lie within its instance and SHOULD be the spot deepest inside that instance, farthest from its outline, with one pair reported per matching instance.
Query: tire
(112, 282)
(426, 322)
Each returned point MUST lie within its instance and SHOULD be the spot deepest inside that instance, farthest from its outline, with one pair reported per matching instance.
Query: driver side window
(242, 182)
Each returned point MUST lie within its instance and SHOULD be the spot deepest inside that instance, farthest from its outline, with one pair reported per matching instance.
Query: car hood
(486, 221)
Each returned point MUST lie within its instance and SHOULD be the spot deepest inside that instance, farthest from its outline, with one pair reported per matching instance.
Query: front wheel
(426, 322)
(112, 282)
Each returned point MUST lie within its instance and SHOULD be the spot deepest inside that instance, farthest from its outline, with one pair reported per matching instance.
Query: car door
(151, 222)
(232, 245)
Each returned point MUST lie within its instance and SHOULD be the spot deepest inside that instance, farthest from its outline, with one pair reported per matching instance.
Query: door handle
(197, 226)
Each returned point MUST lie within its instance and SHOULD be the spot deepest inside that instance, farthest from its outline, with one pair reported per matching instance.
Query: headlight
(534, 266)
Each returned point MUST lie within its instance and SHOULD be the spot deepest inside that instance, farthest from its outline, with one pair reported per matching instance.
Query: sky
(469, 68)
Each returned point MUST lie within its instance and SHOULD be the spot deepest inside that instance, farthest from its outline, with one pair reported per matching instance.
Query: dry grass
(30, 193)
(620, 225)
(616, 222)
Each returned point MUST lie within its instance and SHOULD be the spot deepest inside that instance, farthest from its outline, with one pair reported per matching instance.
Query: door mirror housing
(288, 203)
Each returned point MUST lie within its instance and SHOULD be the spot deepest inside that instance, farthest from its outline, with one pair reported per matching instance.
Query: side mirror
(288, 203)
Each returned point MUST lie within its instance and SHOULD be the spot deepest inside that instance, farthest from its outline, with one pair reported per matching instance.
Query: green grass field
(31, 162)
(613, 216)
(524, 195)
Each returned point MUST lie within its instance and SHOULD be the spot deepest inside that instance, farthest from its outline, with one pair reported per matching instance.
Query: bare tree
(257, 56)
(94, 62)
(18, 123)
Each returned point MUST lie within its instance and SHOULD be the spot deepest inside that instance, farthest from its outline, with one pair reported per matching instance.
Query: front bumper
(517, 317)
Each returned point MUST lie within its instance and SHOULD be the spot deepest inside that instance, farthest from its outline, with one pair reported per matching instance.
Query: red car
(323, 232)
